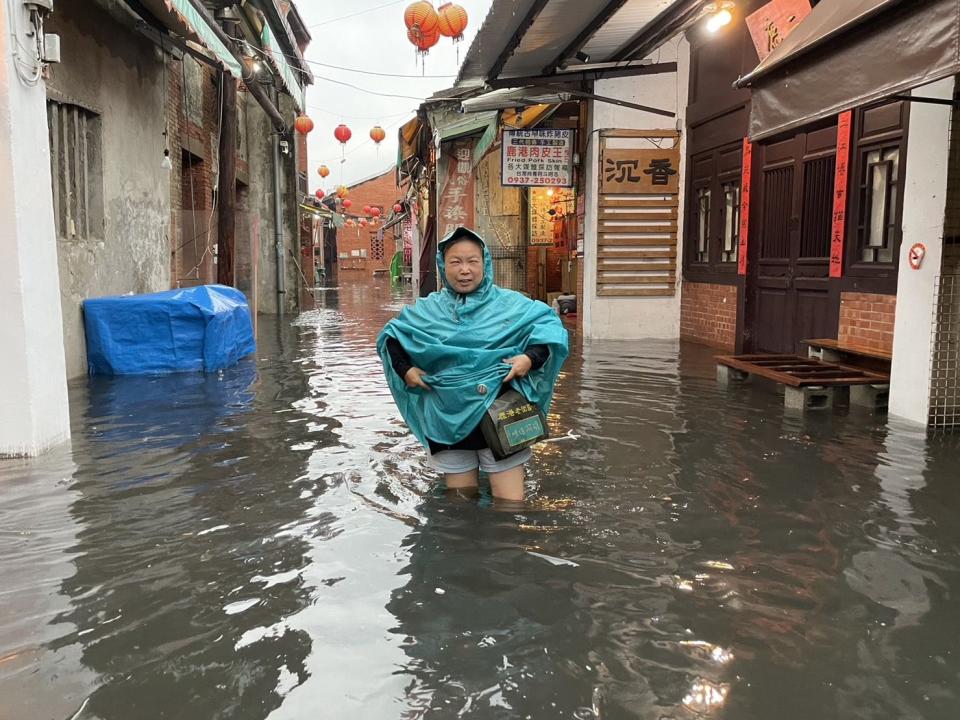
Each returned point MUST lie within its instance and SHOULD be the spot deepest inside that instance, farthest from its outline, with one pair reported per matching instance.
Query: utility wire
(374, 73)
(353, 15)
(370, 92)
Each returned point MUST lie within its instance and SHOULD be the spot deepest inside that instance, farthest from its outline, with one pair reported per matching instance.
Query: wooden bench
(809, 382)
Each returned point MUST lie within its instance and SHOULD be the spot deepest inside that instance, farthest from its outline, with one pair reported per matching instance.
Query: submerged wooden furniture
(810, 382)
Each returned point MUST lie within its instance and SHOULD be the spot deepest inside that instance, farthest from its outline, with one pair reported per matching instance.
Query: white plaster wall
(33, 392)
(634, 318)
(924, 202)
(119, 74)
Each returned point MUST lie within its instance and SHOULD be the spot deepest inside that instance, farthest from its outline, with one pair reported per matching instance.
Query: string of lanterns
(426, 25)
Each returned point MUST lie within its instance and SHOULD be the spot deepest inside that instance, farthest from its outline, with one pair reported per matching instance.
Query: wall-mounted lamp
(720, 15)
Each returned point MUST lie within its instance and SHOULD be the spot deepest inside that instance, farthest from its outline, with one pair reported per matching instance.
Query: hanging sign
(537, 158)
(745, 192)
(456, 187)
(770, 25)
(840, 187)
(916, 255)
(628, 172)
(548, 210)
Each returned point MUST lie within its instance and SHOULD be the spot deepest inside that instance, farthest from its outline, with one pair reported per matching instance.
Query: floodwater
(269, 543)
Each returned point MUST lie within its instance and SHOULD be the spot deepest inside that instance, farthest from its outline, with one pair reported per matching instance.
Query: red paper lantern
(424, 41)
(303, 124)
(348, 223)
(320, 194)
(452, 21)
(366, 209)
(323, 170)
(377, 134)
(363, 222)
(421, 17)
(398, 208)
(342, 134)
(347, 202)
(375, 211)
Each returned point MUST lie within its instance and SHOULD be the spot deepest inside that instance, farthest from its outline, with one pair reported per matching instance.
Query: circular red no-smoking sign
(917, 251)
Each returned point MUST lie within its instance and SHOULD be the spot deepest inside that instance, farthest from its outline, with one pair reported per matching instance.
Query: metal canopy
(866, 50)
(531, 38)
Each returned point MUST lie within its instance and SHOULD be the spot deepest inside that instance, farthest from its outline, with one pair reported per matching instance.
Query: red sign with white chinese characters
(770, 25)
(745, 206)
(841, 178)
(456, 191)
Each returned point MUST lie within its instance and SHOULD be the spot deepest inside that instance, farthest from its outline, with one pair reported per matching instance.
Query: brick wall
(708, 314)
(381, 192)
(193, 229)
(866, 320)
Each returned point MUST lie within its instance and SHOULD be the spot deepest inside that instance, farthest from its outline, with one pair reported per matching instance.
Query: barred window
(376, 245)
(76, 170)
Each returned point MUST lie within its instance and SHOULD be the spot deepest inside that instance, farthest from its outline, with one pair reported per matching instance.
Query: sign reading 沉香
(537, 158)
(628, 172)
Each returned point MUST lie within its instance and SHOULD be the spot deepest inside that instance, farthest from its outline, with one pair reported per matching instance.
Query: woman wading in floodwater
(461, 351)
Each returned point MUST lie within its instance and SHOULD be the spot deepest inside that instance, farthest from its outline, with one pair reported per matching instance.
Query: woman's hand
(414, 379)
(519, 367)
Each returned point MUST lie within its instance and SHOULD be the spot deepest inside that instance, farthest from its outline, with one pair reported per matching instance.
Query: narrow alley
(272, 544)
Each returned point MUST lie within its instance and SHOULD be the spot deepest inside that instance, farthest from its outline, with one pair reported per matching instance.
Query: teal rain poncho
(461, 341)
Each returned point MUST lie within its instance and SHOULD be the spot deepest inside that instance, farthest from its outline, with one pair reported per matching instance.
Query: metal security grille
(945, 359)
(777, 203)
(76, 170)
(510, 266)
(817, 207)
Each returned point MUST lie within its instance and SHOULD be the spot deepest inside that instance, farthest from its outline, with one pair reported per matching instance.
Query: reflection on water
(268, 542)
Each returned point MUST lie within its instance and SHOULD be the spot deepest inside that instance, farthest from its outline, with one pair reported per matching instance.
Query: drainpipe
(278, 221)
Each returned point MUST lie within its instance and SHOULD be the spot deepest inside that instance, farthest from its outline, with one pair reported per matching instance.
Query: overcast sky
(374, 41)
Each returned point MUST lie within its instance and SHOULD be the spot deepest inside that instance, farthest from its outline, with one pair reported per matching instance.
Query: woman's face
(464, 266)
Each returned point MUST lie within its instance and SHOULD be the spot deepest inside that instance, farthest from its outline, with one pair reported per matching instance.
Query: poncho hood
(461, 341)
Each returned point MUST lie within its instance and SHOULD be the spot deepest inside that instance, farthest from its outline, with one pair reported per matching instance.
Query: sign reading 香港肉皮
(628, 172)
(537, 158)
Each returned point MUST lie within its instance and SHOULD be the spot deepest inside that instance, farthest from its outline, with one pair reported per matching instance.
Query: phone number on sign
(520, 180)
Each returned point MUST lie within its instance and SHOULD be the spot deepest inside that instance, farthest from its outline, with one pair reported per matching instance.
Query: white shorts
(456, 462)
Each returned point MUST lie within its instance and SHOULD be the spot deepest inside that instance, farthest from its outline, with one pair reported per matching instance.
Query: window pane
(879, 178)
(703, 225)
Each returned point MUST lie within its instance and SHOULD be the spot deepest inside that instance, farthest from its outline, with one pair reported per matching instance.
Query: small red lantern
(375, 211)
(452, 21)
(363, 222)
(398, 208)
(377, 134)
(323, 170)
(348, 223)
(342, 134)
(347, 202)
(366, 209)
(320, 194)
(303, 124)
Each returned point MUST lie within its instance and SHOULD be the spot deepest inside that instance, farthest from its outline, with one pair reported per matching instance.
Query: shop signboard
(770, 25)
(537, 158)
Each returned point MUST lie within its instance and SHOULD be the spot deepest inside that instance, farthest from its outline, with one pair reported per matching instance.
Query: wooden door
(790, 296)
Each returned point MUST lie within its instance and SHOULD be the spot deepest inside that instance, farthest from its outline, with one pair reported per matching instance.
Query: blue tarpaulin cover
(196, 329)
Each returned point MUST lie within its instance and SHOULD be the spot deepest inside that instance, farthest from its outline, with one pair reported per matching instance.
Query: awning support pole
(615, 101)
(928, 100)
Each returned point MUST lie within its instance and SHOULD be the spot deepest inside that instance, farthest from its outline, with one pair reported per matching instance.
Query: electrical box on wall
(51, 48)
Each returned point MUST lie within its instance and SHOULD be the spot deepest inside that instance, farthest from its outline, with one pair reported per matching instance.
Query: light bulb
(550, 193)
(256, 67)
(166, 163)
(719, 20)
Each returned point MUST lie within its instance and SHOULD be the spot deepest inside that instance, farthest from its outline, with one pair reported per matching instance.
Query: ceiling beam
(581, 76)
(598, 21)
(531, 17)
(674, 19)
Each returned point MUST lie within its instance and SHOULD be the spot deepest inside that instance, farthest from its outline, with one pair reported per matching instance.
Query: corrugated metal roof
(559, 23)
(633, 17)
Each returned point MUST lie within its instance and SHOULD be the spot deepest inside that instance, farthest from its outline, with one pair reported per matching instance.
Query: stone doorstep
(809, 398)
